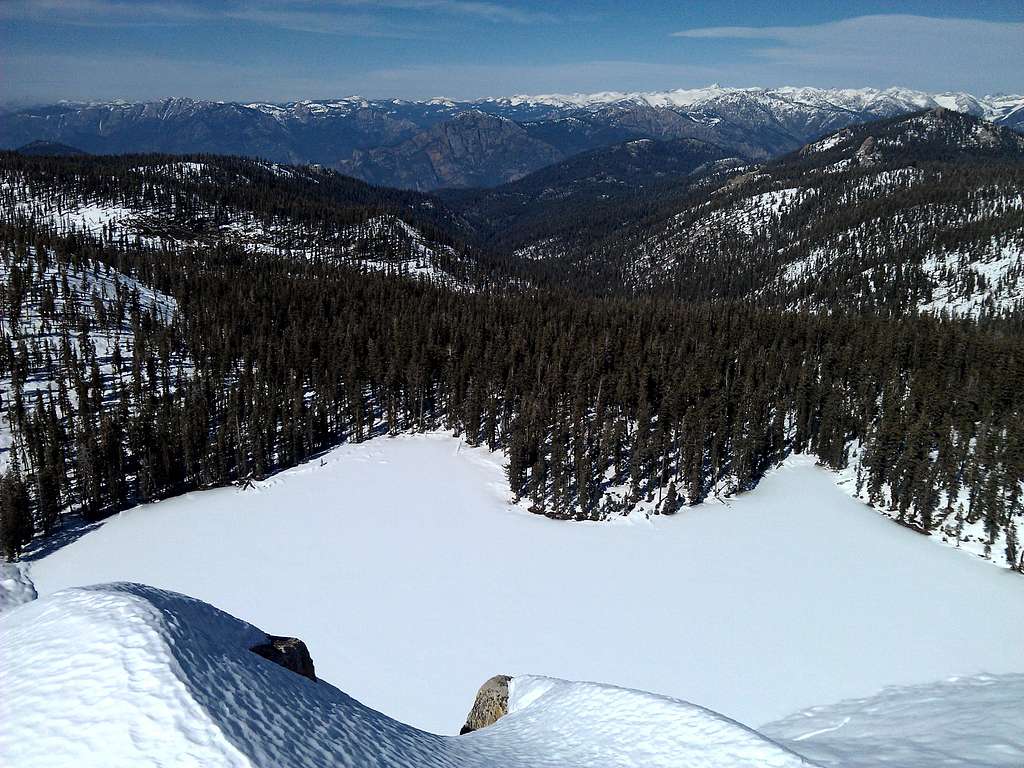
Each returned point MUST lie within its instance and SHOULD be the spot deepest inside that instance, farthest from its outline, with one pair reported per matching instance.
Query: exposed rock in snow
(867, 155)
(15, 586)
(491, 703)
(288, 652)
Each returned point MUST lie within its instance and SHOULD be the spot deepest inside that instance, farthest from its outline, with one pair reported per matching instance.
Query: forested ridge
(602, 404)
(922, 212)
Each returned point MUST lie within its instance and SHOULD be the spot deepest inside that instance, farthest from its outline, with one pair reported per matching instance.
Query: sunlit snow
(412, 579)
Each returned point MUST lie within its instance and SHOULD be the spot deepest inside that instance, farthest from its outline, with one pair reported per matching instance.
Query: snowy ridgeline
(126, 674)
(783, 102)
(383, 243)
(64, 315)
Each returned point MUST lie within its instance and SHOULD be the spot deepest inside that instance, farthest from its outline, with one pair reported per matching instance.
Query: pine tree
(15, 514)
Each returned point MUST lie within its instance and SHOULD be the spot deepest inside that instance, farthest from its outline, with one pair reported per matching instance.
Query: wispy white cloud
(100, 12)
(920, 52)
(132, 76)
(490, 11)
(892, 49)
(400, 18)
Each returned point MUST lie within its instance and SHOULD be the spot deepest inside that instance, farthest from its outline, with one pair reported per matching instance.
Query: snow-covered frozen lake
(412, 579)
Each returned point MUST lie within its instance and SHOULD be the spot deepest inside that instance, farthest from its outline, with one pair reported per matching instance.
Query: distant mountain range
(441, 143)
(915, 212)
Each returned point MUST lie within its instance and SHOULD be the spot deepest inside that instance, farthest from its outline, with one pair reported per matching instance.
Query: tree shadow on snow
(70, 530)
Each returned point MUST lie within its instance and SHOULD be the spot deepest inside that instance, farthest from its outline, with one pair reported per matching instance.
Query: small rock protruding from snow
(491, 703)
(16, 587)
(288, 652)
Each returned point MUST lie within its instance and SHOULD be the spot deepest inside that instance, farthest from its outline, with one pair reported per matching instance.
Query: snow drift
(126, 674)
(961, 722)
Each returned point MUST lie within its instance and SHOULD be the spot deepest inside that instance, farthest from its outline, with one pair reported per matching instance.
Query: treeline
(601, 404)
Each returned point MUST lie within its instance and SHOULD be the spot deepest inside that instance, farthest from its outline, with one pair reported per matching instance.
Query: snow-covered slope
(402, 565)
(126, 674)
(970, 722)
(916, 213)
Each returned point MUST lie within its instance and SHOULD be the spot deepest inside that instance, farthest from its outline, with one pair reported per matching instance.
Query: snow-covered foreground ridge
(126, 674)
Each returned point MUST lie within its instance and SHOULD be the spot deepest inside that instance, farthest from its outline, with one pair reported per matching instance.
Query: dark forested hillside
(173, 324)
(201, 201)
(44, 148)
(598, 192)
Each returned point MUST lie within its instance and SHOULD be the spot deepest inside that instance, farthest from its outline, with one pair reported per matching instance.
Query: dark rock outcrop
(288, 652)
(491, 703)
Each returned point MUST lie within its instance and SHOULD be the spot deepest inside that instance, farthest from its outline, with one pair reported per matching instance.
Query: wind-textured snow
(126, 674)
(972, 722)
(412, 579)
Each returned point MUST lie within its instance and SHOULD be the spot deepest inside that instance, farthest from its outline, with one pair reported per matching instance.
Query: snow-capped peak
(859, 99)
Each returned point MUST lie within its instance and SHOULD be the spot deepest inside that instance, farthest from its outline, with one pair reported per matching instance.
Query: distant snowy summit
(881, 102)
(877, 102)
(894, 100)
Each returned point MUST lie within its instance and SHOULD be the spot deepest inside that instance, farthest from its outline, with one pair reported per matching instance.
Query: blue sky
(278, 50)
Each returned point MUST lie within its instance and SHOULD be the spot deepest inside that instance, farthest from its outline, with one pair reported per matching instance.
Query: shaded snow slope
(126, 674)
(411, 579)
(973, 722)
